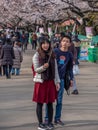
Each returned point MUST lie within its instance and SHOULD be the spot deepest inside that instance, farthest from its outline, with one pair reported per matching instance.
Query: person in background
(46, 81)
(7, 56)
(77, 43)
(34, 41)
(18, 59)
(68, 32)
(26, 39)
(8, 34)
(23, 41)
(74, 52)
(13, 39)
(1, 44)
(2, 38)
(55, 40)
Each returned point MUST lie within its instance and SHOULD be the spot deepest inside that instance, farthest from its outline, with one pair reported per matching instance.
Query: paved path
(80, 112)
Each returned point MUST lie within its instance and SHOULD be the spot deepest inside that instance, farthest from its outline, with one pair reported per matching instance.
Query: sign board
(89, 32)
(41, 30)
(84, 50)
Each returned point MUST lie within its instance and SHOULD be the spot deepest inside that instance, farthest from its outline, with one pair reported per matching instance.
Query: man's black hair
(68, 37)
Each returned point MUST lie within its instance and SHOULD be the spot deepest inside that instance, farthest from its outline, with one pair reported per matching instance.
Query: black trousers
(34, 44)
(39, 112)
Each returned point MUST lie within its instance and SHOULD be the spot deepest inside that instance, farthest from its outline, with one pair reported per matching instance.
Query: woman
(46, 81)
(18, 59)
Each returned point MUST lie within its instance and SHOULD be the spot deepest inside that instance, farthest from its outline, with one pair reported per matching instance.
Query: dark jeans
(34, 44)
(8, 69)
(15, 71)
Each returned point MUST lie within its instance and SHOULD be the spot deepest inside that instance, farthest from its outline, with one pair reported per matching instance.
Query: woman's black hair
(43, 40)
(40, 50)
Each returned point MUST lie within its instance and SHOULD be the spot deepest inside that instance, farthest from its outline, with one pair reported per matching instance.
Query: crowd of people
(11, 53)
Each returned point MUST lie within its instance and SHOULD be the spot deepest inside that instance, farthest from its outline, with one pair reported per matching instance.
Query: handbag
(37, 78)
(76, 70)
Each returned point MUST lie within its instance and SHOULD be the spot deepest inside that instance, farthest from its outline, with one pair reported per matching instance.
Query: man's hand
(57, 86)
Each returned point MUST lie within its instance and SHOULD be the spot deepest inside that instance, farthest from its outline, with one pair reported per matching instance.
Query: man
(64, 58)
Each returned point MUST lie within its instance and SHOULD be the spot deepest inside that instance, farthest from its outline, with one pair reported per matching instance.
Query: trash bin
(96, 53)
(93, 54)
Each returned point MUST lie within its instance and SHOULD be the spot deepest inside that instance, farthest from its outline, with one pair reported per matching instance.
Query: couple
(50, 68)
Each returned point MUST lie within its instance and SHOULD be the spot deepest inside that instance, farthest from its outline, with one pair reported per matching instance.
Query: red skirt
(45, 92)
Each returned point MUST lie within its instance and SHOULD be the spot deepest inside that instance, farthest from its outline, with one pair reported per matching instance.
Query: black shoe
(75, 92)
(50, 126)
(58, 122)
(42, 127)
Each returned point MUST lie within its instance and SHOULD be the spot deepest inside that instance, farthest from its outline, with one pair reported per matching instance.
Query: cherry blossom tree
(30, 12)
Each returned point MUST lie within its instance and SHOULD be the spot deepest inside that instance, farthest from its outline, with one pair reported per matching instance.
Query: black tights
(39, 112)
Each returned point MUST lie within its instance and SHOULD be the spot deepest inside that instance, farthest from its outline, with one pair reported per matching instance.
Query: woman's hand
(46, 65)
(57, 86)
